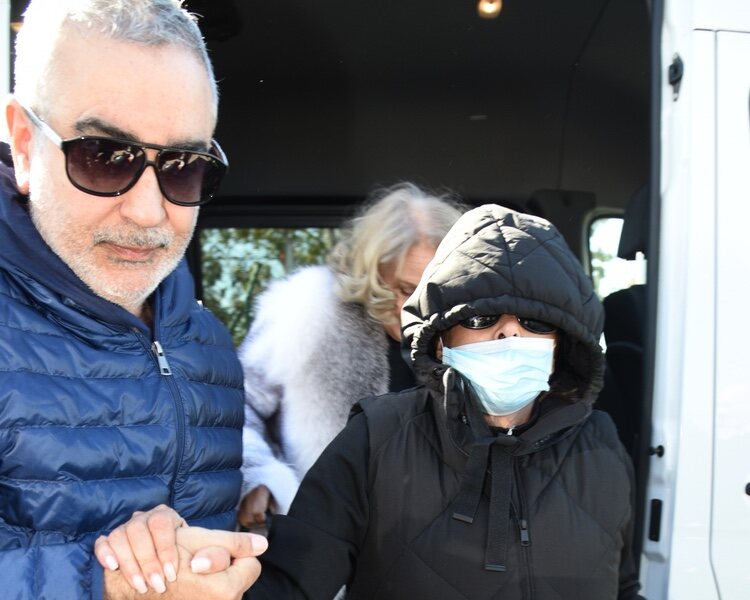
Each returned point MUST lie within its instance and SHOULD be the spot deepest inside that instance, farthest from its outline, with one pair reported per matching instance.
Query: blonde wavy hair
(390, 223)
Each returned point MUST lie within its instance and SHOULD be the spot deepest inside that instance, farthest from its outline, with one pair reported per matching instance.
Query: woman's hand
(253, 508)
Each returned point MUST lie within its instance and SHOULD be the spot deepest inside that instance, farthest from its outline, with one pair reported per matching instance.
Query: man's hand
(145, 549)
(234, 551)
(252, 511)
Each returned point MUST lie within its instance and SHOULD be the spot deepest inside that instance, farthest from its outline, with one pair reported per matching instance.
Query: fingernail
(139, 584)
(170, 572)
(157, 583)
(260, 543)
(200, 565)
(111, 563)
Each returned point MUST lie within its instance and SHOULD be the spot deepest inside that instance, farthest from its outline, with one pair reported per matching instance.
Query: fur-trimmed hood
(495, 260)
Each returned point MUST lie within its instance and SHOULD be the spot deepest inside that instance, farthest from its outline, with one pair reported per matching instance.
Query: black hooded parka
(419, 499)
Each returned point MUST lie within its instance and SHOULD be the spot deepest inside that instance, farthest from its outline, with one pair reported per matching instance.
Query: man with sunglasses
(120, 395)
(495, 478)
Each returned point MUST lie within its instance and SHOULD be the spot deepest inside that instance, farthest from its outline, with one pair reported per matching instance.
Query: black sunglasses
(530, 325)
(105, 166)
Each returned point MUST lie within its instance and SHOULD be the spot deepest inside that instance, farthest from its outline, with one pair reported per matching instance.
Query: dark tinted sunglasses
(105, 166)
(485, 321)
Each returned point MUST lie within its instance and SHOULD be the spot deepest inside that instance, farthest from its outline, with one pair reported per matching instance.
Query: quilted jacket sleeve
(35, 566)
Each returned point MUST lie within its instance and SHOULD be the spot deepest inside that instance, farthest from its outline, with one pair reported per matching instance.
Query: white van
(697, 542)
(585, 112)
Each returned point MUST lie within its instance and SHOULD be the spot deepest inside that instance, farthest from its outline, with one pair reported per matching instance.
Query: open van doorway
(546, 108)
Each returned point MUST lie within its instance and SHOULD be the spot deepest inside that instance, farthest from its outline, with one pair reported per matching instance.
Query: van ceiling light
(489, 9)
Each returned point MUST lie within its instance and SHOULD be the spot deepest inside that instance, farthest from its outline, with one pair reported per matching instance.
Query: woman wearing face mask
(495, 478)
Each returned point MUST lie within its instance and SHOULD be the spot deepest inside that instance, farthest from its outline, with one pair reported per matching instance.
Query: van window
(237, 264)
(609, 272)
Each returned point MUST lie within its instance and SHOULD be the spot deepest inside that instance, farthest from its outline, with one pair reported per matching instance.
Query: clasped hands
(156, 553)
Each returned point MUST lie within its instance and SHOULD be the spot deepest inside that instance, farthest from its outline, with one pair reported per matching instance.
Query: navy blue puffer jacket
(94, 424)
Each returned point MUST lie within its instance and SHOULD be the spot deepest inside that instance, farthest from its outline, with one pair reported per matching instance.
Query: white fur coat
(307, 358)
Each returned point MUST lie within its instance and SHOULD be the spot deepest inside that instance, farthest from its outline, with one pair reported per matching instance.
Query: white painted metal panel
(677, 566)
(730, 15)
(730, 532)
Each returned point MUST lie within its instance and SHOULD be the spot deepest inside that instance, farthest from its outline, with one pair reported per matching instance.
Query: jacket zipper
(156, 350)
(522, 522)
(161, 358)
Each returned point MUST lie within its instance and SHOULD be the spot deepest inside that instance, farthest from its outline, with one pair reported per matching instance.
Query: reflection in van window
(609, 272)
(238, 264)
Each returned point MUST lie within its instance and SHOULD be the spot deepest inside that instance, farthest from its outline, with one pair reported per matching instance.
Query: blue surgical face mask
(505, 374)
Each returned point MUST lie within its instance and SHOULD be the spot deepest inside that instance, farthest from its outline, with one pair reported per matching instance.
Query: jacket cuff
(277, 477)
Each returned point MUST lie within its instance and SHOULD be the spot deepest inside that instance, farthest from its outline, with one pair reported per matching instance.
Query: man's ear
(439, 348)
(20, 134)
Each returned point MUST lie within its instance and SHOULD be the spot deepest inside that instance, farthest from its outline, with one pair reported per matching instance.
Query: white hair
(144, 22)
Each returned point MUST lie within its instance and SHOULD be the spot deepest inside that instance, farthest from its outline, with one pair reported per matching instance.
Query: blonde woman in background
(327, 336)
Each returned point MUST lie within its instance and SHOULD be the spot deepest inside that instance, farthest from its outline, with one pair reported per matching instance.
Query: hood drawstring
(487, 454)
